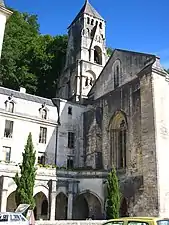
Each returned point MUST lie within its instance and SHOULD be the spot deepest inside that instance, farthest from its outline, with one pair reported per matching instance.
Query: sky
(137, 25)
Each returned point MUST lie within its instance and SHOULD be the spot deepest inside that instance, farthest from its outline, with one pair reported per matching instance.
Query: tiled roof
(89, 10)
(25, 96)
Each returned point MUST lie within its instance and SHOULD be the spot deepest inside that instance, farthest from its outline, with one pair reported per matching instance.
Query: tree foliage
(25, 182)
(29, 59)
(109, 51)
(113, 196)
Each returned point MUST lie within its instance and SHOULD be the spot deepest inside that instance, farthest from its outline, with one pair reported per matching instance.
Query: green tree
(29, 59)
(25, 182)
(109, 51)
(21, 31)
(113, 196)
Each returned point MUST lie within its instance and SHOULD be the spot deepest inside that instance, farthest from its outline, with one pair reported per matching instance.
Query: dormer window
(9, 105)
(43, 111)
(44, 114)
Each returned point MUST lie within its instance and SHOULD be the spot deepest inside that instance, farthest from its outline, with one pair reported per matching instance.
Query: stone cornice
(6, 11)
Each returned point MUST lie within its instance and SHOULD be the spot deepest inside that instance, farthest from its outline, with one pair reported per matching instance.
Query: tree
(29, 59)
(109, 51)
(113, 196)
(25, 182)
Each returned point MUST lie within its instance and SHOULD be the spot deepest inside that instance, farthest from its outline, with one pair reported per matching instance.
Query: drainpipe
(56, 102)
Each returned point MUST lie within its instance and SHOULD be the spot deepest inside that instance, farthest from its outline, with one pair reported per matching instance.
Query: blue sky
(139, 25)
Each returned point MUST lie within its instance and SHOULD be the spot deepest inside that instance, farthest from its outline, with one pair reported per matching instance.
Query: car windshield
(3, 218)
(114, 223)
(163, 222)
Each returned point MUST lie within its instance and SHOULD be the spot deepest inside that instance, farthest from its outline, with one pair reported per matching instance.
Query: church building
(110, 111)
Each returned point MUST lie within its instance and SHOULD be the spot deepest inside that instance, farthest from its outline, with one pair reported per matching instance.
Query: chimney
(22, 90)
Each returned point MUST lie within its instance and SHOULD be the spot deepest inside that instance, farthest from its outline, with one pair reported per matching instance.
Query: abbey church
(108, 111)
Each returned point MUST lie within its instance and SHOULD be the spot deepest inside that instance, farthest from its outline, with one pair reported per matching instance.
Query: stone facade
(108, 113)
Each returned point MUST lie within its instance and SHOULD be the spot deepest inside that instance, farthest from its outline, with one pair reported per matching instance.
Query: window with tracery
(118, 132)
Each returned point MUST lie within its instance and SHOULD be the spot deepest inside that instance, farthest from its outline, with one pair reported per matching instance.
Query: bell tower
(86, 54)
(4, 14)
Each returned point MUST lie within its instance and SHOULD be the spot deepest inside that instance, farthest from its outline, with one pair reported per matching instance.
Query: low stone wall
(71, 222)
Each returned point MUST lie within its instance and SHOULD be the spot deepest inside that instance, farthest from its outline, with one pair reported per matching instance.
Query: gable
(124, 63)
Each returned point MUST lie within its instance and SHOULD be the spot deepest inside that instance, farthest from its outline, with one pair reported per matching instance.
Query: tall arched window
(44, 208)
(118, 136)
(98, 55)
(116, 76)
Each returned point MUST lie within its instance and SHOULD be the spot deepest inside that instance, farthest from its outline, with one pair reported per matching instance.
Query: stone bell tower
(4, 14)
(86, 54)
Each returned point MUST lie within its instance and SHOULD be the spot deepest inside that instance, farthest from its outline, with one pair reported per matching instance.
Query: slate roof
(25, 96)
(89, 10)
(2, 3)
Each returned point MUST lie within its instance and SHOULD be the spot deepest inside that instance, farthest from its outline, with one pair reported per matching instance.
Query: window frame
(43, 135)
(71, 139)
(8, 129)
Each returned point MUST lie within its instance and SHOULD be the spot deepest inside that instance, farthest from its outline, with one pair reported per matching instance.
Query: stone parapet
(71, 222)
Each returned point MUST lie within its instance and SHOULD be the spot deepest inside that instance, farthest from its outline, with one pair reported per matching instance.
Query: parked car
(12, 218)
(138, 221)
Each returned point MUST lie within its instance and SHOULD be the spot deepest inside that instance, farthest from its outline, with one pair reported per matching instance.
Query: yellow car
(138, 221)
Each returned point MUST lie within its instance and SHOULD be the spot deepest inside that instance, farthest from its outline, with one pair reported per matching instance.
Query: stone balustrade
(9, 169)
(71, 222)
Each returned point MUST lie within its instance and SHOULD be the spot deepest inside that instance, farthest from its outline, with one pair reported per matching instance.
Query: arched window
(44, 208)
(116, 76)
(44, 114)
(118, 133)
(92, 21)
(100, 25)
(88, 20)
(91, 81)
(98, 55)
(87, 81)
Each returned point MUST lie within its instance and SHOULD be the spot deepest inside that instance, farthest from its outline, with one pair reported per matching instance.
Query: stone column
(52, 195)
(4, 190)
(52, 205)
(70, 200)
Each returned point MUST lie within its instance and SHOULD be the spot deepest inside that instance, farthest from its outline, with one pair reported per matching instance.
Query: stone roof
(25, 96)
(2, 3)
(89, 10)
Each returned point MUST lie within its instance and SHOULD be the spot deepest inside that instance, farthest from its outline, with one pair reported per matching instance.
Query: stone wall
(71, 222)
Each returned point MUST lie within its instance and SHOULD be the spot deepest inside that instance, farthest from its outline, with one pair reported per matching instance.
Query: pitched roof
(89, 10)
(2, 3)
(25, 96)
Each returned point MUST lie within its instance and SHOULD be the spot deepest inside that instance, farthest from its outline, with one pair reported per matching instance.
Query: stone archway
(90, 207)
(41, 209)
(11, 203)
(61, 207)
(123, 208)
